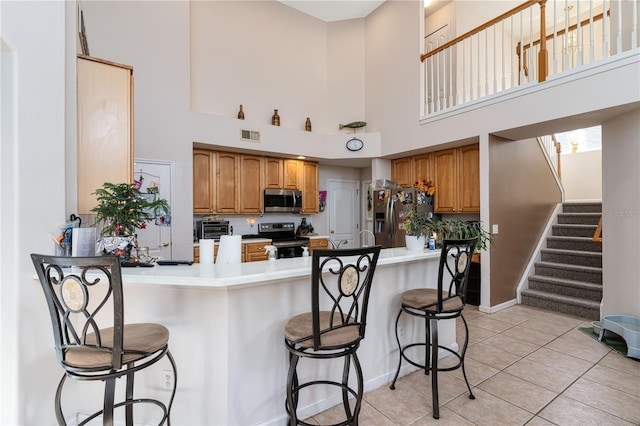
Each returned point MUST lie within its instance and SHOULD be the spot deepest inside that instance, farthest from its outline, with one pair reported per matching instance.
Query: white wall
(621, 215)
(582, 175)
(32, 180)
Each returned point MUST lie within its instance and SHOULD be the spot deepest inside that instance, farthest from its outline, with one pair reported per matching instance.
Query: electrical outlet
(401, 332)
(168, 381)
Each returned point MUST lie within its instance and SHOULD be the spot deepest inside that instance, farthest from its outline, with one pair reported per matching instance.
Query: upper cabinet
(402, 171)
(457, 181)
(203, 164)
(291, 176)
(454, 172)
(273, 173)
(225, 182)
(105, 127)
(251, 199)
(309, 187)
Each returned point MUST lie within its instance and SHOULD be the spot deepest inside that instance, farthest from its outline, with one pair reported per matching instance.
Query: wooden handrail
(597, 236)
(558, 147)
(482, 27)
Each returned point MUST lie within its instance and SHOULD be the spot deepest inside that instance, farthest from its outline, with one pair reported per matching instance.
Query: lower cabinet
(196, 254)
(317, 243)
(254, 251)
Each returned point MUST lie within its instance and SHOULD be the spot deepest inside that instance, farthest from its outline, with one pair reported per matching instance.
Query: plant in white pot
(416, 226)
(121, 209)
(456, 229)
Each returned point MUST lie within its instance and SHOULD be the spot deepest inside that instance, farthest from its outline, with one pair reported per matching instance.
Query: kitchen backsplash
(241, 225)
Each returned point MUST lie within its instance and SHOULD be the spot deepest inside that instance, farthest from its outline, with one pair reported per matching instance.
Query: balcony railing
(526, 45)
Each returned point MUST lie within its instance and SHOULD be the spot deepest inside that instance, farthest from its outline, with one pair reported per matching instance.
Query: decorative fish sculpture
(353, 125)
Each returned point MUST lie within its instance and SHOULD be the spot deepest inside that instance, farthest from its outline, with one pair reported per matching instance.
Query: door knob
(165, 244)
(332, 232)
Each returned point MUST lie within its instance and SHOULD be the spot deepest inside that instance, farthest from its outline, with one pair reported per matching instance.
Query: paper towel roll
(229, 249)
(206, 251)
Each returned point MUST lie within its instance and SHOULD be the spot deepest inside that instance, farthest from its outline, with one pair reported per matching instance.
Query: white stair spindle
(634, 25)
(619, 41)
(580, 40)
(591, 34)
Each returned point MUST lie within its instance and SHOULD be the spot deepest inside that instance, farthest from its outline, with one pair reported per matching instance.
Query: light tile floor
(526, 366)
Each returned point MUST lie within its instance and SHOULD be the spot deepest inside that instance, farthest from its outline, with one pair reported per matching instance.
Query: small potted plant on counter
(456, 229)
(416, 226)
(121, 209)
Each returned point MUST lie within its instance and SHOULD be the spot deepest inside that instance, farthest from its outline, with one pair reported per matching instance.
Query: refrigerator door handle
(392, 222)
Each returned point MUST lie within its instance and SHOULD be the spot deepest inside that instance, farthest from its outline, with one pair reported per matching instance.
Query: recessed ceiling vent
(249, 135)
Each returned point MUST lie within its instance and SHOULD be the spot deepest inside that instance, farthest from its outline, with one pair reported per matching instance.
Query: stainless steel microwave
(282, 201)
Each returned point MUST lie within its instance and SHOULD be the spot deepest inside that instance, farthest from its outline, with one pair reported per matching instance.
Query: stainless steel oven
(282, 235)
(212, 229)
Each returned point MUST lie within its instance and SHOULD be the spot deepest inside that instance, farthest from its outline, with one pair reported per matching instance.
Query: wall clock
(354, 144)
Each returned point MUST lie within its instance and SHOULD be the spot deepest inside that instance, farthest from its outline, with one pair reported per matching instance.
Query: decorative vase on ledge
(414, 242)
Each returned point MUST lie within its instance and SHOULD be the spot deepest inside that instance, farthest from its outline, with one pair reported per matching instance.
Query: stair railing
(554, 150)
(482, 62)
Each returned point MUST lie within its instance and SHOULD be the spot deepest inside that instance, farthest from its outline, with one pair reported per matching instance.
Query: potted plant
(121, 209)
(416, 226)
(456, 229)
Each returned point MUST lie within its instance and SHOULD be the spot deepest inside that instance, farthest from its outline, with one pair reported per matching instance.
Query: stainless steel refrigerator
(389, 208)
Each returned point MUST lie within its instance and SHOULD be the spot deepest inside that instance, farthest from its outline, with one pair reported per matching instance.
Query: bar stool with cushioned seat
(340, 287)
(438, 304)
(92, 343)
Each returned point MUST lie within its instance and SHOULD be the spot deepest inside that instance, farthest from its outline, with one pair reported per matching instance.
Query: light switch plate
(494, 228)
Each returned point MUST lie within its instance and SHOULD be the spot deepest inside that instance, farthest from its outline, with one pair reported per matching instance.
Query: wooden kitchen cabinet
(251, 184)
(273, 173)
(203, 166)
(227, 182)
(105, 127)
(196, 254)
(318, 243)
(254, 252)
(457, 181)
(423, 167)
(309, 187)
(402, 171)
(291, 174)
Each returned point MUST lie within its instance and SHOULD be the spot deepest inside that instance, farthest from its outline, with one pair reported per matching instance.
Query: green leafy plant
(456, 229)
(416, 223)
(123, 208)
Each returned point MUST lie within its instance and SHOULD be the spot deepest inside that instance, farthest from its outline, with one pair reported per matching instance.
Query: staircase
(568, 277)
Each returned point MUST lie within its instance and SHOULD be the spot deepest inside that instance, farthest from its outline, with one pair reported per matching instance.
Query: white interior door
(156, 236)
(344, 210)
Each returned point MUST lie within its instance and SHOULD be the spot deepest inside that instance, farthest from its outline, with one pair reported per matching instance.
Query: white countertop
(228, 276)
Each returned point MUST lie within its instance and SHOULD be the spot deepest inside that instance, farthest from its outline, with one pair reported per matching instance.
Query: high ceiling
(334, 10)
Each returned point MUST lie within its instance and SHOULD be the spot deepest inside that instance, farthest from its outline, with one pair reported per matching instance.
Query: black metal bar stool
(438, 304)
(93, 345)
(340, 286)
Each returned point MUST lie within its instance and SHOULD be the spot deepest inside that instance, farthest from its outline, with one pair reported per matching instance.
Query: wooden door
(445, 181)
(203, 181)
(274, 174)
(310, 196)
(251, 167)
(105, 127)
(291, 174)
(402, 171)
(227, 182)
(469, 179)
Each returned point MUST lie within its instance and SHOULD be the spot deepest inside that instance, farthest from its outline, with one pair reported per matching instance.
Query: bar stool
(340, 286)
(91, 343)
(434, 305)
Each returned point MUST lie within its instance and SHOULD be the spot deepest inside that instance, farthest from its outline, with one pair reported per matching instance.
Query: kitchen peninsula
(226, 324)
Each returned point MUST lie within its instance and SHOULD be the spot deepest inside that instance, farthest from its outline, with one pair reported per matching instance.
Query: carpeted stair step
(573, 230)
(579, 218)
(582, 207)
(565, 304)
(573, 243)
(569, 272)
(572, 257)
(571, 288)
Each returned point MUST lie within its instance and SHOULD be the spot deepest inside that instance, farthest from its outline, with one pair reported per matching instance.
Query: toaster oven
(212, 229)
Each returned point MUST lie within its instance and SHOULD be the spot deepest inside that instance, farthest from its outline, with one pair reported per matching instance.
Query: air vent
(249, 135)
